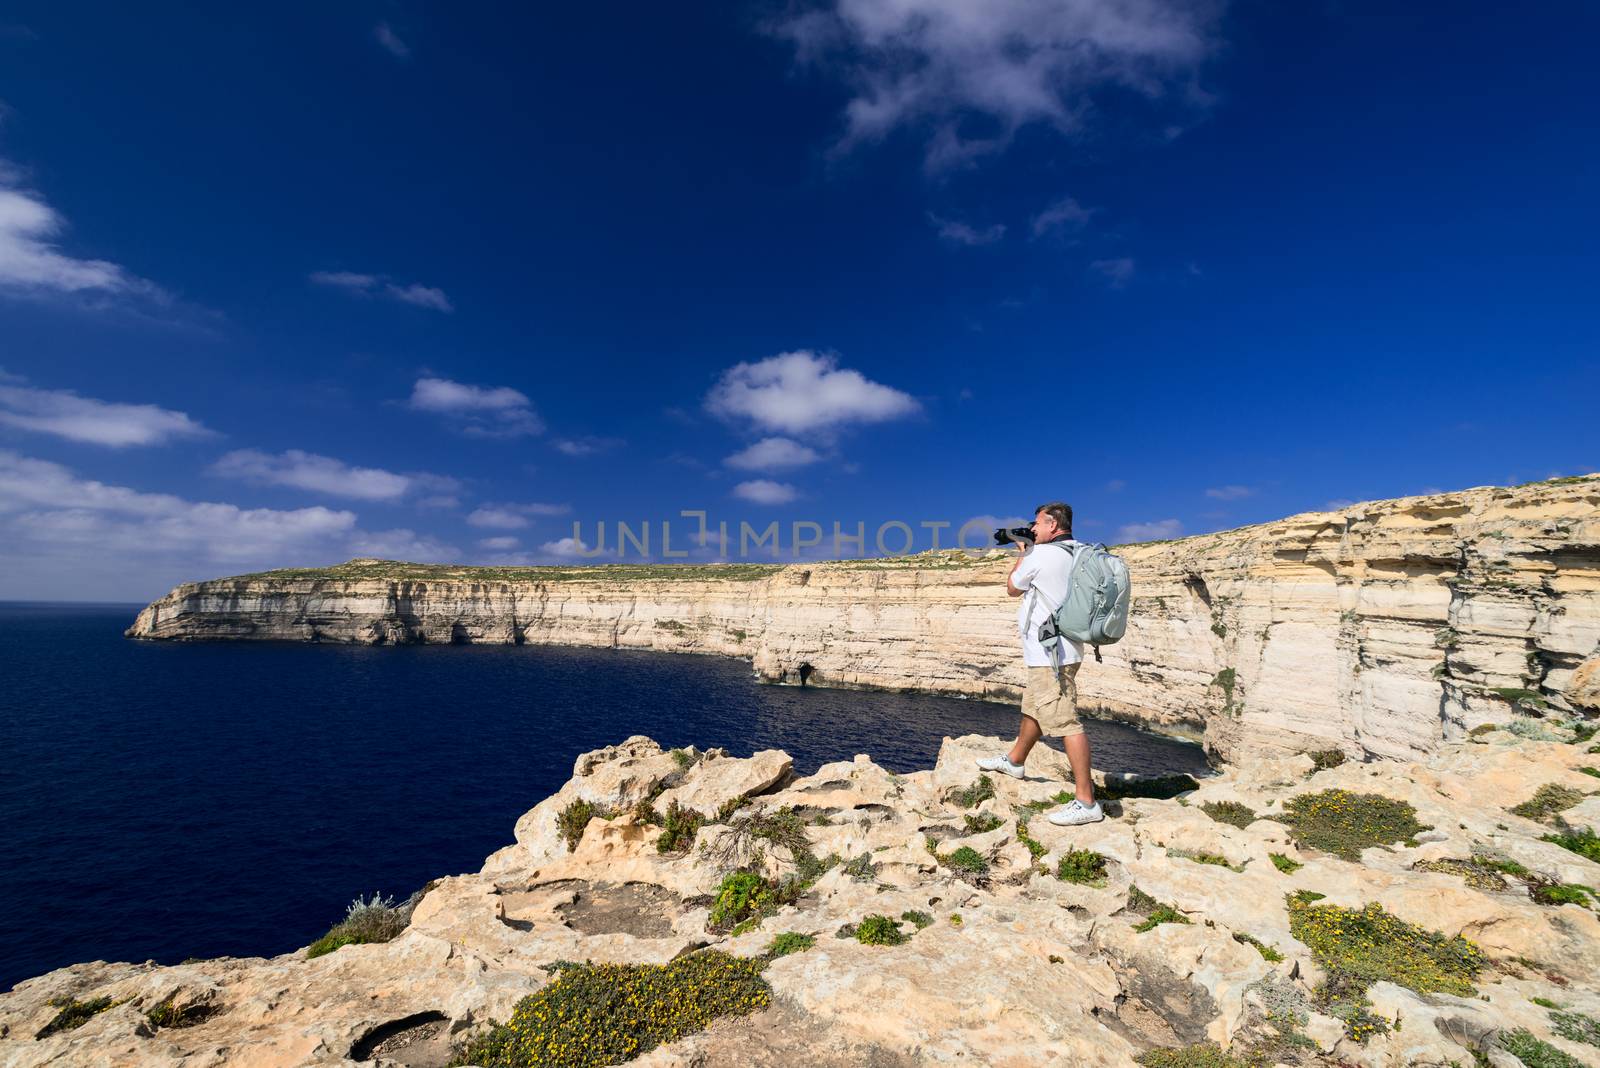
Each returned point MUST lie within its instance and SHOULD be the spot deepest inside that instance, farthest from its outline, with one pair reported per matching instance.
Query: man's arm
(1022, 554)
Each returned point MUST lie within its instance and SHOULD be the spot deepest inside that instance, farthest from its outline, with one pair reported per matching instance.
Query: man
(1049, 703)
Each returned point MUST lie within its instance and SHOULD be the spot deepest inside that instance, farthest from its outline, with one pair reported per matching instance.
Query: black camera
(1014, 536)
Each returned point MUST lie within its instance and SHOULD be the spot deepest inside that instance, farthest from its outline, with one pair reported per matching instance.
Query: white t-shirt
(1043, 575)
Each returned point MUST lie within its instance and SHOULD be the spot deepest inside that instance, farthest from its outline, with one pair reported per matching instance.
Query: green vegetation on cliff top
(358, 570)
(729, 571)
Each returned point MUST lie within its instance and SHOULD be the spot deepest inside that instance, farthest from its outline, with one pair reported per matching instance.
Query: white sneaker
(1001, 763)
(1075, 812)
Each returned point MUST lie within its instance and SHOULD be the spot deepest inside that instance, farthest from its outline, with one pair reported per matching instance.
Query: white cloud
(1160, 530)
(64, 414)
(586, 446)
(500, 412)
(66, 536)
(569, 549)
(420, 295)
(935, 65)
(402, 545)
(960, 233)
(801, 391)
(1230, 493)
(323, 474)
(498, 544)
(349, 280)
(773, 454)
(513, 516)
(31, 262)
(391, 41)
(1065, 214)
(1119, 272)
(498, 519)
(371, 285)
(765, 491)
(1338, 504)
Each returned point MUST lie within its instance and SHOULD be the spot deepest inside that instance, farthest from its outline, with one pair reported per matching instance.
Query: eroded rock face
(1037, 970)
(1385, 628)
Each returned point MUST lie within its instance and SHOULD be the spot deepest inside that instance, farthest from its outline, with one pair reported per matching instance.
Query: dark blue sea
(168, 801)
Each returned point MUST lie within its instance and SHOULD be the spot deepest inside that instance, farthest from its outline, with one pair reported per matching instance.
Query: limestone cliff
(1386, 628)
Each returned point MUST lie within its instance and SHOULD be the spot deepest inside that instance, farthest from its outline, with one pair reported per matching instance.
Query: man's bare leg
(1077, 746)
(1028, 732)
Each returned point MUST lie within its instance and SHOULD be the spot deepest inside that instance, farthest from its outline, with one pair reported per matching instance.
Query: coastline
(1385, 629)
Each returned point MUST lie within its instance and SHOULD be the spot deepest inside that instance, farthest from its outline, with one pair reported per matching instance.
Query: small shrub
(1575, 1026)
(1033, 808)
(918, 918)
(1232, 813)
(1155, 912)
(1036, 848)
(955, 919)
(861, 869)
(1345, 823)
(878, 930)
(730, 806)
(982, 823)
(1561, 894)
(683, 758)
(365, 922)
(1478, 876)
(1518, 695)
(1502, 865)
(168, 1014)
(976, 794)
(595, 1014)
(743, 838)
(1547, 801)
(1200, 1055)
(1268, 953)
(1284, 864)
(1534, 730)
(789, 942)
(1323, 759)
(678, 829)
(73, 1014)
(967, 861)
(1083, 866)
(1200, 856)
(1583, 842)
(1544, 1003)
(1536, 1052)
(1484, 728)
(740, 896)
(572, 820)
(1359, 947)
(1593, 772)
(1162, 914)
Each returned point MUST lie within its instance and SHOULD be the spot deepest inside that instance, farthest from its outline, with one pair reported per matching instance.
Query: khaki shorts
(1052, 699)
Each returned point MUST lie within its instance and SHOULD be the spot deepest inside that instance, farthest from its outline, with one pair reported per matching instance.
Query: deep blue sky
(1299, 255)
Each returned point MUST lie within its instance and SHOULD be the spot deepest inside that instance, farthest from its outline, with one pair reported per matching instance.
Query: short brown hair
(1061, 512)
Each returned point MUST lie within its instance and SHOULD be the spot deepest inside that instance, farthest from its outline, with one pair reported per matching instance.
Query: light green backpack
(1098, 592)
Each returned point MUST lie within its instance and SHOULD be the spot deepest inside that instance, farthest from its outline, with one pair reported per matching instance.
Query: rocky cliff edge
(1385, 913)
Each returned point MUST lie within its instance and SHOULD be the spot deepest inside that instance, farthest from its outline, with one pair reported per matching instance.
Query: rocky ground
(1223, 925)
